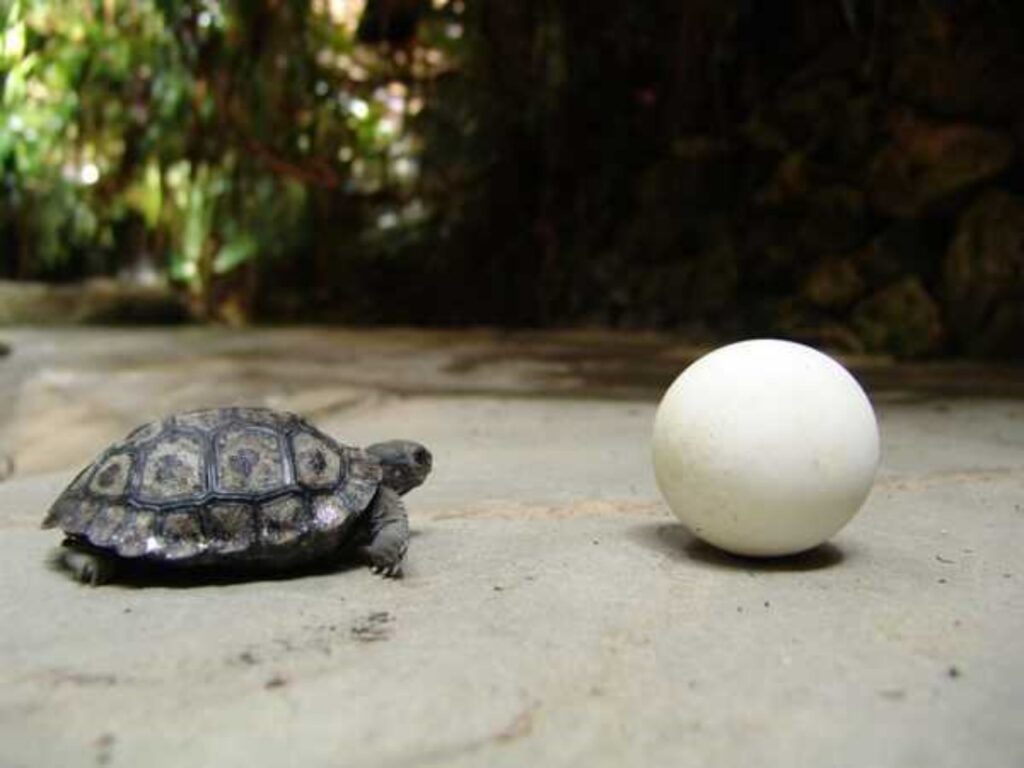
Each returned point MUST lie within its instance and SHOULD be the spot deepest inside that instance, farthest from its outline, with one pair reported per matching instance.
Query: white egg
(765, 447)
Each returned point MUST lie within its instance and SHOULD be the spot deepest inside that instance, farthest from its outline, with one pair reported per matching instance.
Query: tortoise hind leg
(389, 534)
(86, 564)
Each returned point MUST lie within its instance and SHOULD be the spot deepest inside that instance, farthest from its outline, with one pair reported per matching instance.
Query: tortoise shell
(216, 485)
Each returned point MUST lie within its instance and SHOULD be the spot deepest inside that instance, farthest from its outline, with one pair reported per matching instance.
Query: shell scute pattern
(112, 475)
(363, 478)
(201, 486)
(104, 525)
(249, 460)
(317, 463)
(230, 527)
(328, 512)
(174, 469)
(137, 535)
(180, 535)
(283, 521)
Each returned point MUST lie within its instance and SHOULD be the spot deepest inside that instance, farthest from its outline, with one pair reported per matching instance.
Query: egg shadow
(674, 541)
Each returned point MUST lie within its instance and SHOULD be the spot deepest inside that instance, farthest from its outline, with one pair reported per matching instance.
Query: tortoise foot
(87, 567)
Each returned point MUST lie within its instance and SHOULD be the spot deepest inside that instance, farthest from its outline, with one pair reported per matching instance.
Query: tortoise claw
(87, 567)
(388, 571)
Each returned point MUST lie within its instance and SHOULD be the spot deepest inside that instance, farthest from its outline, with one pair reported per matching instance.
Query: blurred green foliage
(192, 139)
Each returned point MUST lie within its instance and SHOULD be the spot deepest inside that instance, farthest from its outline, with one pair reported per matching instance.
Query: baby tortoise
(245, 487)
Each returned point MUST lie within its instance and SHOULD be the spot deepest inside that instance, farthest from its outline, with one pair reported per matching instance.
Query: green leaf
(235, 252)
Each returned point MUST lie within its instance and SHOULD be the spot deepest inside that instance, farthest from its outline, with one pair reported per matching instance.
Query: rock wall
(890, 213)
(845, 173)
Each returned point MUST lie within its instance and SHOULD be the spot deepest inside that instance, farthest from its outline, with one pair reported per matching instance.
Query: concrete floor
(553, 613)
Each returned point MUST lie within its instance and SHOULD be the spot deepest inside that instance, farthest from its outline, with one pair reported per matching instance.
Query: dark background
(843, 172)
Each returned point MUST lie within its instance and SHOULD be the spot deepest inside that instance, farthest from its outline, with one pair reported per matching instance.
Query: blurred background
(843, 172)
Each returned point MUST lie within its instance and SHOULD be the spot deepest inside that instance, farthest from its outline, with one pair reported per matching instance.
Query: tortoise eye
(421, 456)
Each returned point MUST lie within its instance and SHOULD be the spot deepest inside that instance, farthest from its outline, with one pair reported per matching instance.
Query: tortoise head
(406, 463)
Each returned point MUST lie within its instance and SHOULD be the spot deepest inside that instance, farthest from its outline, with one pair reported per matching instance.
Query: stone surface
(94, 301)
(553, 612)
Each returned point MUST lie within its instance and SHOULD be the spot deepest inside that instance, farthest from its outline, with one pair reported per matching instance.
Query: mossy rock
(834, 283)
(960, 61)
(984, 277)
(926, 164)
(901, 319)
(796, 319)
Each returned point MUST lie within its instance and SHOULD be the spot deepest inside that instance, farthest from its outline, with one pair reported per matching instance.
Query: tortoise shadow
(142, 575)
(674, 541)
(139, 574)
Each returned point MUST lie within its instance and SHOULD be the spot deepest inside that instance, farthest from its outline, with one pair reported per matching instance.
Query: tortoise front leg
(389, 534)
(86, 564)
